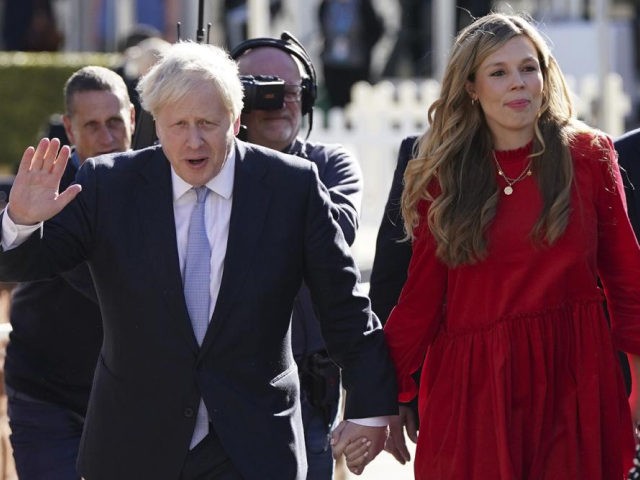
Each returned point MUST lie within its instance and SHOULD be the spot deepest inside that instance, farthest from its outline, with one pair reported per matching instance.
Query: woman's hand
(396, 444)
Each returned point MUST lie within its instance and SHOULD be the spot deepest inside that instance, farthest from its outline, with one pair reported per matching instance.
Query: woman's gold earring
(474, 101)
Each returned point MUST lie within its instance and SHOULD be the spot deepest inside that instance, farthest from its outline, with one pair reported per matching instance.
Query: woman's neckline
(514, 154)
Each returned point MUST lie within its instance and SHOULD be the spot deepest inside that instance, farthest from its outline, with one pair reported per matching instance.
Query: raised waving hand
(34, 196)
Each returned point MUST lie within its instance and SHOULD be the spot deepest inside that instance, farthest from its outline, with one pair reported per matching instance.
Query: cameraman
(279, 128)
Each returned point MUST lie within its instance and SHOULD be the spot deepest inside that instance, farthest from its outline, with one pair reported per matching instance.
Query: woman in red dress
(515, 210)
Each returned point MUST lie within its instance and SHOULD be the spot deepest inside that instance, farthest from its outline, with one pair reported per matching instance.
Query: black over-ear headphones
(289, 44)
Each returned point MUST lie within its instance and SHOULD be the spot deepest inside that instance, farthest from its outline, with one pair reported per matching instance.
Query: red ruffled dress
(519, 376)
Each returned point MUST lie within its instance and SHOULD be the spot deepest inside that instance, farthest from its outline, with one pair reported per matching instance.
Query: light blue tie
(197, 283)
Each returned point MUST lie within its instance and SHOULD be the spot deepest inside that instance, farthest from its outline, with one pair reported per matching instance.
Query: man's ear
(133, 118)
(66, 121)
(157, 129)
(236, 126)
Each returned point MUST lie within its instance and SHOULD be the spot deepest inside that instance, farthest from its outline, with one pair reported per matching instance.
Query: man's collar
(296, 148)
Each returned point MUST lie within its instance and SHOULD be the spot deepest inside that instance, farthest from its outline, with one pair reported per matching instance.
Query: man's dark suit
(391, 260)
(150, 372)
(628, 148)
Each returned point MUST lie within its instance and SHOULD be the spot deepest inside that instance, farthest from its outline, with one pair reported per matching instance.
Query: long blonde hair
(456, 152)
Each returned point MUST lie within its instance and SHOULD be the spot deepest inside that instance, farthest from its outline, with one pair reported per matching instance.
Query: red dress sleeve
(416, 318)
(618, 254)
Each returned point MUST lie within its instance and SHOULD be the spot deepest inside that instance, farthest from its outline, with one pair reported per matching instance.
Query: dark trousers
(45, 438)
(316, 437)
(209, 461)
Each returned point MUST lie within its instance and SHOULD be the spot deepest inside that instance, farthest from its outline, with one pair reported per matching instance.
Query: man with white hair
(197, 248)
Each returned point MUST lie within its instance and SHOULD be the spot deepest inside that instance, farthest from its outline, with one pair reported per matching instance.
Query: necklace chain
(508, 190)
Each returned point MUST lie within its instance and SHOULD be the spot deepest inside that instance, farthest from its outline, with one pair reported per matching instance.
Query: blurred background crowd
(350, 39)
(353, 40)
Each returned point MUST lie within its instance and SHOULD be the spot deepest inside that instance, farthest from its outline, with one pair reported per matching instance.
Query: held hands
(359, 444)
(34, 195)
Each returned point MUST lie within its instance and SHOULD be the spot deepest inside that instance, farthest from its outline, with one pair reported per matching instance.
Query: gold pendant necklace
(508, 190)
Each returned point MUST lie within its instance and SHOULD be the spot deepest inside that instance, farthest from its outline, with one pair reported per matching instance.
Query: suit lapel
(155, 210)
(250, 205)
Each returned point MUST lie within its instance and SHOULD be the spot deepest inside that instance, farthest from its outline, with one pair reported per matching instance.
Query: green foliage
(30, 92)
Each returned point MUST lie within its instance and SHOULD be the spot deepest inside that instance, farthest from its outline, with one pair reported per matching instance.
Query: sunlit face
(98, 123)
(196, 133)
(275, 129)
(508, 86)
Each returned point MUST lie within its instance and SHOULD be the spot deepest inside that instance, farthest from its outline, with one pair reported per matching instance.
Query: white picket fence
(381, 115)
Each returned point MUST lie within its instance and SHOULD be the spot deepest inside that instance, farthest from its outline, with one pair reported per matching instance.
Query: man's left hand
(348, 432)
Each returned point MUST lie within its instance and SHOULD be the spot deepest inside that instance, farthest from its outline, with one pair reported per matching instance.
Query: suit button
(188, 412)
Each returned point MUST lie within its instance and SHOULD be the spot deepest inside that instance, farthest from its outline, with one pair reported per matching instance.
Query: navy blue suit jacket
(391, 260)
(628, 148)
(151, 372)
